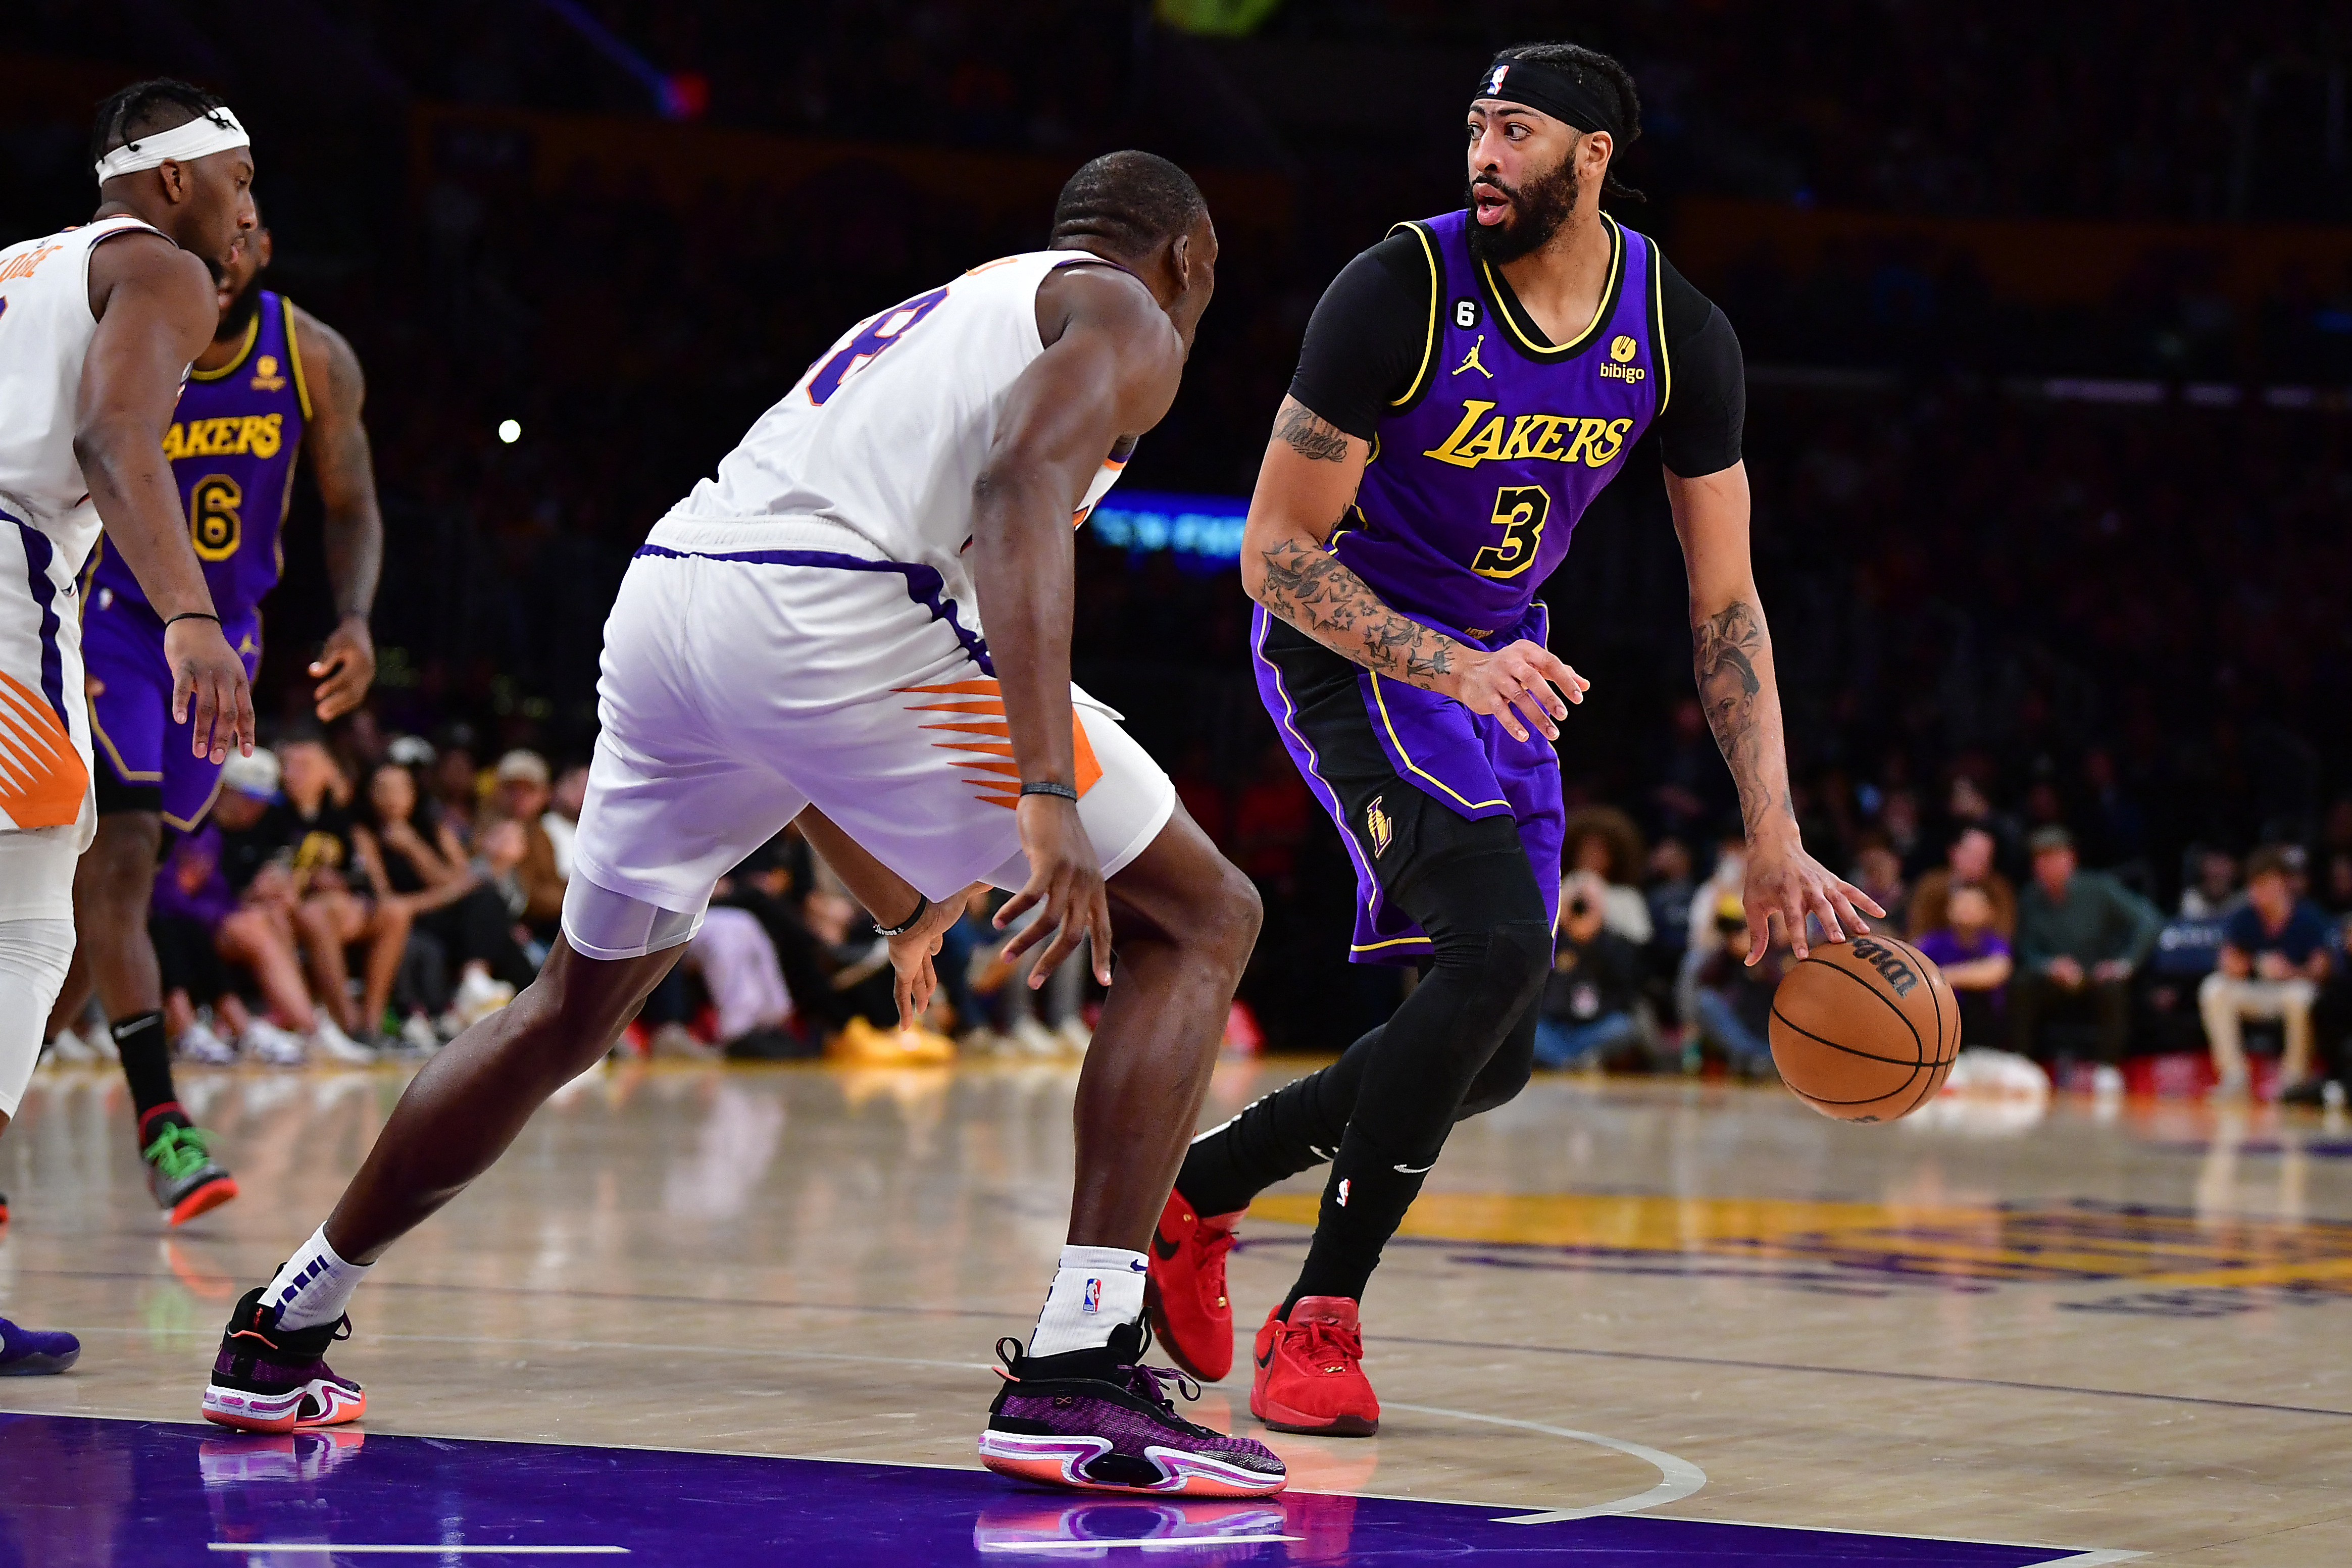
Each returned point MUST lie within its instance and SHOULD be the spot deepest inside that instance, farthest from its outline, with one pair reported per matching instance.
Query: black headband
(1566, 93)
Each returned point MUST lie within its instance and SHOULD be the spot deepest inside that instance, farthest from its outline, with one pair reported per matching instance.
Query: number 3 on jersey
(877, 335)
(1519, 512)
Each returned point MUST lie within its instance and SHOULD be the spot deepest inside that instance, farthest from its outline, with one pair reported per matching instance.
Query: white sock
(1095, 1290)
(315, 1285)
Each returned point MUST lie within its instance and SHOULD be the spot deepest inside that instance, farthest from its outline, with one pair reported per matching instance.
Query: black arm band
(1046, 787)
(193, 615)
(922, 907)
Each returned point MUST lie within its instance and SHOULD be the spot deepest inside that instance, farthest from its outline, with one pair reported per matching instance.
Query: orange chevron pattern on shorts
(42, 778)
(979, 709)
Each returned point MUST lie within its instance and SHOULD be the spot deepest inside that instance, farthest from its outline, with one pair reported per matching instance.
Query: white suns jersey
(48, 524)
(887, 431)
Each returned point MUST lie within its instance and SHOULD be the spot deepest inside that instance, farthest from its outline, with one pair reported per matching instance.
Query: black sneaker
(180, 1171)
(1098, 1420)
(267, 1379)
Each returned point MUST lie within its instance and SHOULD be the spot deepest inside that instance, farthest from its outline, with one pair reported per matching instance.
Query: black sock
(1296, 1128)
(146, 1063)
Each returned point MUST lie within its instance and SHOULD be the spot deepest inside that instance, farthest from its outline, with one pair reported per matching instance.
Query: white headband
(214, 130)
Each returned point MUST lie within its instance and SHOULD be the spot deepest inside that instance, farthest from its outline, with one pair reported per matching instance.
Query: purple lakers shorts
(1376, 751)
(144, 764)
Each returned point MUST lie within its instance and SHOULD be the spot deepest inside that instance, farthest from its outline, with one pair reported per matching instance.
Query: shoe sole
(39, 1365)
(1281, 1417)
(204, 1199)
(280, 1412)
(1055, 1461)
(1165, 1333)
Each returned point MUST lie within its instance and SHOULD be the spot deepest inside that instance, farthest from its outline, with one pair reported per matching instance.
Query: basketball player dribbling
(98, 325)
(273, 381)
(1467, 386)
(803, 638)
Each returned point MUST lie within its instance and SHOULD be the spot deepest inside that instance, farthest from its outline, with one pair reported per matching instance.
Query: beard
(1539, 208)
(240, 312)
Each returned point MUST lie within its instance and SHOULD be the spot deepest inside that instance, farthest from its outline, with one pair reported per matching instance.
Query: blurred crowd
(2121, 620)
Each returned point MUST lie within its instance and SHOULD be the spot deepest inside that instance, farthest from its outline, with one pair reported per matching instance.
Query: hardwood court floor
(2129, 1333)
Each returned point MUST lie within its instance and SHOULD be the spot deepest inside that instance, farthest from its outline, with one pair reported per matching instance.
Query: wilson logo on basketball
(1892, 966)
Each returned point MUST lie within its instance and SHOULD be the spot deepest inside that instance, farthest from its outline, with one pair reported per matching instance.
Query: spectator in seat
(1878, 872)
(522, 796)
(1967, 862)
(738, 963)
(1975, 958)
(2080, 935)
(448, 899)
(1596, 978)
(1603, 841)
(1733, 1000)
(2213, 892)
(1669, 893)
(344, 898)
(561, 817)
(2275, 950)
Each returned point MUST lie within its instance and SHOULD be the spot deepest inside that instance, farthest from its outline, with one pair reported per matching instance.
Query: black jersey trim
(1422, 377)
(1658, 331)
(1522, 327)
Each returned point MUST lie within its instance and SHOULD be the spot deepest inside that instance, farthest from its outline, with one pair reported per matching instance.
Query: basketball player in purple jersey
(1467, 386)
(273, 381)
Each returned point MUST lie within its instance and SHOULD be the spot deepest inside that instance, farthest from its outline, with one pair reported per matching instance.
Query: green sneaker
(180, 1171)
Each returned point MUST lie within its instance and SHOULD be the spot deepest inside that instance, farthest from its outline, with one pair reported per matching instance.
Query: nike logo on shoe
(1268, 1359)
(1165, 1247)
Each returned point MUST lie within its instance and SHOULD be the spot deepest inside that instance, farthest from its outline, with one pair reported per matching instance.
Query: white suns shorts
(751, 670)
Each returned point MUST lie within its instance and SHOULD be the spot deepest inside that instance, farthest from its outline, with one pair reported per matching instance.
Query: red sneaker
(1310, 1375)
(1190, 1314)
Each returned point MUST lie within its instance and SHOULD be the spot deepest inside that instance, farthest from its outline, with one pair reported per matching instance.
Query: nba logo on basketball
(1093, 1301)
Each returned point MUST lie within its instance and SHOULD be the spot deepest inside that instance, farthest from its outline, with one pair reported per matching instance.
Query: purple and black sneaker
(1099, 1421)
(33, 1353)
(268, 1379)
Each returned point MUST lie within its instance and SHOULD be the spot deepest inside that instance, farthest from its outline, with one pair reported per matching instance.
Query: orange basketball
(1864, 1029)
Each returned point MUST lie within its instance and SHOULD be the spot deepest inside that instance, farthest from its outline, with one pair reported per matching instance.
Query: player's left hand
(1785, 885)
(344, 668)
(911, 952)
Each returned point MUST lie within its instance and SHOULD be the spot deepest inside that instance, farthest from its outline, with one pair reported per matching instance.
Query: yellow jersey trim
(1397, 741)
(1658, 330)
(1504, 301)
(1420, 382)
(294, 355)
(252, 333)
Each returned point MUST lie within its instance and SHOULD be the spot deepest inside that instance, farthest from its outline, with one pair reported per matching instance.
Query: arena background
(2048, 316)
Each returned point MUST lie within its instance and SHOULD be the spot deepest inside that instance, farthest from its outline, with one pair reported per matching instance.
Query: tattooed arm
(1732, 658)
(1307, 480)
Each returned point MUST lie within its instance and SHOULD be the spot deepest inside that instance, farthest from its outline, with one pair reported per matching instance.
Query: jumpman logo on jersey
(1470, 360)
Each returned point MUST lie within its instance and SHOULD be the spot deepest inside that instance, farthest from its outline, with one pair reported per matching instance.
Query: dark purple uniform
(233, 443)
(1479, 473)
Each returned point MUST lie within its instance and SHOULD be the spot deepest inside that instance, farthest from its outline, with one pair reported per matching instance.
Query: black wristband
(1047, 787)
(193, 615)
(922, 907)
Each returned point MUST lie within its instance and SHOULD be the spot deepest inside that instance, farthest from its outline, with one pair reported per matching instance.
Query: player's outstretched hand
(1785, 884)
(911, 952)
(209, 680)
(1068, 880)
(1520, 675)
(344, 668)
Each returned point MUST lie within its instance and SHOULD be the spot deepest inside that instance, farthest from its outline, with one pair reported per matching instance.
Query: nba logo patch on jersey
(1092, 1302)
(1379, 826)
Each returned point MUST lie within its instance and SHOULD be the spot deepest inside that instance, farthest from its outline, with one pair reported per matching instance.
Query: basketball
(1864, 1030)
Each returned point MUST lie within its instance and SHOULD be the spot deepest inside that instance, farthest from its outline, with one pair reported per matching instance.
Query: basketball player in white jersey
(863, 623)
(98, 327)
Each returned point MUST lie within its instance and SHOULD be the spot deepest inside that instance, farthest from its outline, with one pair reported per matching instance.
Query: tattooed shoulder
(1309, 434)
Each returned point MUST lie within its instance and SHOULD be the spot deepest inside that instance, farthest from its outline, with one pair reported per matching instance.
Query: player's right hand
(209, 680)
(911, 952)
(1064, 876)
(1520, 675)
